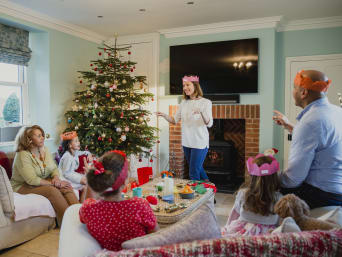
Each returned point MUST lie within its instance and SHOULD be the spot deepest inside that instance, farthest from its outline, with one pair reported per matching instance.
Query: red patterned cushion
(304, 244)
(5, 162)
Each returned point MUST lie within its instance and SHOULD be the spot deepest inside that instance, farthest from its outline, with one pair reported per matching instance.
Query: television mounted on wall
(225, 68)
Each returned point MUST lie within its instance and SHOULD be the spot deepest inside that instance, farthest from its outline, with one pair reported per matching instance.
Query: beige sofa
(18, 216)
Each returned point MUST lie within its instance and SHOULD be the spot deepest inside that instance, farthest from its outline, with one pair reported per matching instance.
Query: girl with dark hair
(113, 220)
(69, 163)
(195, 112)
(252, 213)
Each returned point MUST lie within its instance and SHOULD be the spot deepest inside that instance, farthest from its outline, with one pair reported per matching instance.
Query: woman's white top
(194, 131)
(68, 164)
(252, 217)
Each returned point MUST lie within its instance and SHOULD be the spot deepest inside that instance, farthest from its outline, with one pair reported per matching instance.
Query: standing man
(315, 162)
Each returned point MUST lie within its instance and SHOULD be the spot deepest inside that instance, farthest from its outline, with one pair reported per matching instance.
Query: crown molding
(134, 39)
(20, 12)
(220, 27)
(326, 22)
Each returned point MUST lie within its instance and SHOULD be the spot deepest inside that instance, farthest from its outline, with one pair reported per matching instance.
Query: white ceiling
(123, 16)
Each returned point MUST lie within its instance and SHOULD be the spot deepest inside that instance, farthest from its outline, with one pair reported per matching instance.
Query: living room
(64, 37)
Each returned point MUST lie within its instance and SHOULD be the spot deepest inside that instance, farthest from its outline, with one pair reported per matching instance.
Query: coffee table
(167, 218)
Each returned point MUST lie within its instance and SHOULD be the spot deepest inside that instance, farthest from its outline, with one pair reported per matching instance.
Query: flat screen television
(224, 68)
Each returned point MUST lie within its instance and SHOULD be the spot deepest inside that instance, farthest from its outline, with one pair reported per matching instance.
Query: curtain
(14, 47)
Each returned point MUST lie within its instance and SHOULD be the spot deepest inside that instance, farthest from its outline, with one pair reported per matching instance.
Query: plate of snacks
(187, 193)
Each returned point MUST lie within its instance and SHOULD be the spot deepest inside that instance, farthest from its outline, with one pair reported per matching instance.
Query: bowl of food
(187, 193)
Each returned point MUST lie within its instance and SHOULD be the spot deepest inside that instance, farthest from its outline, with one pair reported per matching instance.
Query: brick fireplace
(242, 128)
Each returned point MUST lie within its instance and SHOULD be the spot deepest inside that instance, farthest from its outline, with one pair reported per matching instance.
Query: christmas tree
(108, 113)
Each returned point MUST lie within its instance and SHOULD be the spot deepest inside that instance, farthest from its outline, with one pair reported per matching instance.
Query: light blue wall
(52, 74)
(266, 81)
(300, 43)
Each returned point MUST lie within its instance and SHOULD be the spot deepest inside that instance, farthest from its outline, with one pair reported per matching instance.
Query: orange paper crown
(69, 135)
(306, 82)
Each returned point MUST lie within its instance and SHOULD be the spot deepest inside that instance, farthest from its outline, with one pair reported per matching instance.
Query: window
(13, 100)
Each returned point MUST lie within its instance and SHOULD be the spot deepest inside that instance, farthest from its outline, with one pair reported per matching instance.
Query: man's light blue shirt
(316, 148)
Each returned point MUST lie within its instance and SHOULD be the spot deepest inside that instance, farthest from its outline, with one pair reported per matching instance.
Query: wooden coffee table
(165, 218)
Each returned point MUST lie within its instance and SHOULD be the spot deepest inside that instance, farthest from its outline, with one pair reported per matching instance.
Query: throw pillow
(201, 224)
(334, 216)
(6, 194)
(288, 225)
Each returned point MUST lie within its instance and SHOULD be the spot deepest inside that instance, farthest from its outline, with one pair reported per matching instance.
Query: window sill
(11, 143)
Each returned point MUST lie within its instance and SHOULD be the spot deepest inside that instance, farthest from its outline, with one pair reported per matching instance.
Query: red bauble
(95, 69)
(81, 81)
(132, 70)
(129, 52)
(99, 138)
(110, 65)
(110, 140)
(152, 99)
(151, 160)
(121, 116)
(113, 108)
(108, 54)
(140, 160)
(100, 53)
(151, 150)
(148, 139)
(100, 71)
(108, 95)
(125, 66)
(133, 67)
(158, 141)
(105, 49)
(91, 64)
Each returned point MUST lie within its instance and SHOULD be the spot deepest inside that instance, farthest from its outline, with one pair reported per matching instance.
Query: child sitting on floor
(252, 213)
(69, 163)
(113, 220)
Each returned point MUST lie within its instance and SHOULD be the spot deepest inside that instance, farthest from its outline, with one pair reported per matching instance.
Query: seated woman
(35, 172)
(69, 163)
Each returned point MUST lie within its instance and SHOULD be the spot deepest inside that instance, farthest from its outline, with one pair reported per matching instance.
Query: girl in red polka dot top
(113, 220)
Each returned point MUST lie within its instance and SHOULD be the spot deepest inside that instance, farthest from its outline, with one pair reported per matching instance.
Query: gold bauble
(141, 119)
(148, 119)
(124, 81)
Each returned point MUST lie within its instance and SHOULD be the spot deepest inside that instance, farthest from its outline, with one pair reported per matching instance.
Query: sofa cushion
(334, 216)
(287, 225)
(6, 163)
(6, 194)
(201, 224)
(32, 205)
(297, 244)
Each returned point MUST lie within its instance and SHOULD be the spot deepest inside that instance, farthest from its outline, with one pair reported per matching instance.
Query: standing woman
(35, 172)
(195, 112)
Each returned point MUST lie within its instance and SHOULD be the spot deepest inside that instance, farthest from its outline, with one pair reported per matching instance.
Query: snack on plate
(171, 208)
(187, 193)
(186, 190)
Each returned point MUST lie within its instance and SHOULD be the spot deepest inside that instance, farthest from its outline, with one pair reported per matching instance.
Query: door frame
(154, 39)
(288, 82)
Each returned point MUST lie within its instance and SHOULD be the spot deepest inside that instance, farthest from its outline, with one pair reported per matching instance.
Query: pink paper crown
(190, 79)
(265, 169)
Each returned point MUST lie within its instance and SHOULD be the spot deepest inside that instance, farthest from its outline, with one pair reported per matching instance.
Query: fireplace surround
(245, 140)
